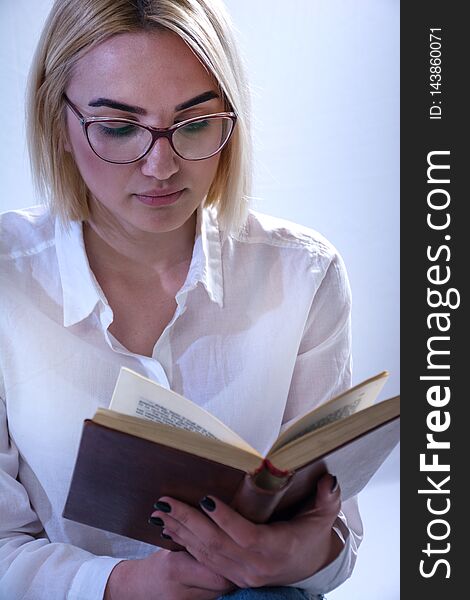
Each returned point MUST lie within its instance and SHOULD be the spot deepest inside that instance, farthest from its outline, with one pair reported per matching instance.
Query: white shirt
(261, 333)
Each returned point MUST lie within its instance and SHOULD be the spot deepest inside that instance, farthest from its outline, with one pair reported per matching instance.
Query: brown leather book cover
(118, 477)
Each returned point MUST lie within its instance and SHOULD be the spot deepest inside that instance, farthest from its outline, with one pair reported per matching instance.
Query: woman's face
(149, 75)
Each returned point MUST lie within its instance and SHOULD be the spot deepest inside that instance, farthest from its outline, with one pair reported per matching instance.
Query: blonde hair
(75, 26)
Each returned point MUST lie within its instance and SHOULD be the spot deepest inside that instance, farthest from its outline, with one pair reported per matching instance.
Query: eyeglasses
(123, 141)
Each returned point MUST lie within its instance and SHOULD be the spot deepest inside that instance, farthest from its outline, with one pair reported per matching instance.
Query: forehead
(149, 69)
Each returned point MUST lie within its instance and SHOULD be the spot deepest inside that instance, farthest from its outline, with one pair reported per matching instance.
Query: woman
(148, 257)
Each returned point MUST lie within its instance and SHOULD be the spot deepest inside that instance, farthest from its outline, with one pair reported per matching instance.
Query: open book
(153, 442)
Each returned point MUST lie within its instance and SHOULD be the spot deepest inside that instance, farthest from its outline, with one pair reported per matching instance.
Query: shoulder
(272, 231)
(25, 232)
(293, 255)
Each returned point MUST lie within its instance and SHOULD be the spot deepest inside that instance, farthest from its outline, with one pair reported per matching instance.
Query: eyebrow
(204, 97)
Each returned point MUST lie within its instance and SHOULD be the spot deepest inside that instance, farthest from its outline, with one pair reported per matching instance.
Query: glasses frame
(156, 132)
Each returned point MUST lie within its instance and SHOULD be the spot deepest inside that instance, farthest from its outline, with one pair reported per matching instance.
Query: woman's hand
(165, 575)
(251, 555)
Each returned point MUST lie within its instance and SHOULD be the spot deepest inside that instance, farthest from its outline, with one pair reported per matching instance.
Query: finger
(204, 540)
(209, 556)
(187, 521)
(192, 529)
(328, 497)
(242, 532)
(328, 490)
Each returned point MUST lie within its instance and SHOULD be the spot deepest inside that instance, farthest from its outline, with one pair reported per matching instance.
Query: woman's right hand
(165, 575)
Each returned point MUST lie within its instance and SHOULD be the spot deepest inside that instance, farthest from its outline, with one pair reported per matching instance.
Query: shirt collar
(206, 262)
(81, 291)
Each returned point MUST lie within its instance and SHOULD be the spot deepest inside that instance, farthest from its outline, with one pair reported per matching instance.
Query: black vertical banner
(435, 239)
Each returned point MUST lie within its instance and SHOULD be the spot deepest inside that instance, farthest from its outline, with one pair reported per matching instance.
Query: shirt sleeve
(323, 370)
(31, 567)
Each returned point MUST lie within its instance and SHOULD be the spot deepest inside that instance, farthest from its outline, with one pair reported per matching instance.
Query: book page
(342, 437)
(138, 396)
(160, 414)
(357, 398)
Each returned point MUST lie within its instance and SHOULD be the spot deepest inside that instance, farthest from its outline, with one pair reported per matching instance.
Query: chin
(163, 219)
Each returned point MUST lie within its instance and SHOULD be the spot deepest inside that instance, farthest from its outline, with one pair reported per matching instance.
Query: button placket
(162, 354)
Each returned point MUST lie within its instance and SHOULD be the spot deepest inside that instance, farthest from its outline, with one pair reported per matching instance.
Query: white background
(325, 81)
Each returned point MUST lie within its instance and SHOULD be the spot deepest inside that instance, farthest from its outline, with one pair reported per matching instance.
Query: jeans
(270, 593)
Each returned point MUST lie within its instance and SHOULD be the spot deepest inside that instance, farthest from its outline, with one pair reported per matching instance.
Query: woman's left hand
(252, 555)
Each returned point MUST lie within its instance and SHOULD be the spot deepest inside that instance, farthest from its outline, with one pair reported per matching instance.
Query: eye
(195, 126)
(116, 130)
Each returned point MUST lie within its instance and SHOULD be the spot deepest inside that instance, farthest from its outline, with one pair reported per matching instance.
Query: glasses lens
(201, 139)
(118, 142)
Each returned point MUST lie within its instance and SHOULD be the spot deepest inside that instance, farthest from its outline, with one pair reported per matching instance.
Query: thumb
(328, 496)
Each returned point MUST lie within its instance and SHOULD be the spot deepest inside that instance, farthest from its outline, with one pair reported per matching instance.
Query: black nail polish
(334, 484)
(163, 506)
(165, 536)
(207, 503)
(156, 521)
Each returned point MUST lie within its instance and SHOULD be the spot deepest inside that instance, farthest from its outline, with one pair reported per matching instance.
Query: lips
(159, 197)
(159, 193)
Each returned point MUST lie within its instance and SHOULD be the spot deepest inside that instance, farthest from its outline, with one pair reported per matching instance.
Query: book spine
(257, 503)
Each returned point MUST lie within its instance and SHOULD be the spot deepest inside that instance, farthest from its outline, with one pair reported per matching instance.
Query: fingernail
(156, 521)
(334, 484)
(165, 536)
(207, 504)
(163, 506)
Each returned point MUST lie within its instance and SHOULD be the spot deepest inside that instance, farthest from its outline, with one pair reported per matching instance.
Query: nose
(161, 162)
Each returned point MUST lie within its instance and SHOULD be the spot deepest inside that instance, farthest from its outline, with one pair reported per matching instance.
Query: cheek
(204, 172)
(101, 178)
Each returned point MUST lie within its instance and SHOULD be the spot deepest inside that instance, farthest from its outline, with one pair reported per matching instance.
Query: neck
(117, 250)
